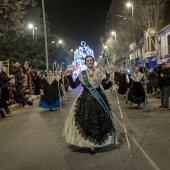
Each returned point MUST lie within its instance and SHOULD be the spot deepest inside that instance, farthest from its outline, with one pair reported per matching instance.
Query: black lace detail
(91, 119)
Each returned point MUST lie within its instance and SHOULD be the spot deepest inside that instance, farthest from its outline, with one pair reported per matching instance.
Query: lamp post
(60, 41)
(131, 5)
(31, 26)
(45, 35)
(113, 33)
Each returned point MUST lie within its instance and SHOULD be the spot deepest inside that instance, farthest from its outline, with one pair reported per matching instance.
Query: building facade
(153, 46)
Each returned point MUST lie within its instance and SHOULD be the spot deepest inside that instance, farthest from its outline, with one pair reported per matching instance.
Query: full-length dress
(50, 98)
(88, 124)
(136, 95)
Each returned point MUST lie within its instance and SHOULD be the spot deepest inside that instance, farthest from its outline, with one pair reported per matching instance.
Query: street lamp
(105, 47)
(60, 41)
(31, 26)
(113, 33)
(131, 5)
(45, 35)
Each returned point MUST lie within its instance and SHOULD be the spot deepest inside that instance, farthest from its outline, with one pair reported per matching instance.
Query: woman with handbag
(90, 122)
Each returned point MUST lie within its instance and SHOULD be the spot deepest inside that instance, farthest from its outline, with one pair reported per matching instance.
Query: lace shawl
(50, 80)
(94, 80)
(136, 78)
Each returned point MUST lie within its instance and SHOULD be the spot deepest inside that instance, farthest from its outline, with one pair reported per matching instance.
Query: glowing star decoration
(79, 58)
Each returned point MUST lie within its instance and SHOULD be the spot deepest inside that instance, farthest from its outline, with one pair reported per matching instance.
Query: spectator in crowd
(19, 75)
(24, 66)
(123, 82)
(4, 83)
(166, 88)
(23, 95)
(4, 105)
(117, 75)
(37, 82)
(29, 78)
(153, 82)
(142, 68)
(65, 81)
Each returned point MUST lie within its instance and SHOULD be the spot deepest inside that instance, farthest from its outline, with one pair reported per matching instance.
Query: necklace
(91, 75)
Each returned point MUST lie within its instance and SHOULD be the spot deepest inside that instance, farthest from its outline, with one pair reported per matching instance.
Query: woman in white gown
(90, 122)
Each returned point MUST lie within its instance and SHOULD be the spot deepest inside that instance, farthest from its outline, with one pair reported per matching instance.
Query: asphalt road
(32, 139)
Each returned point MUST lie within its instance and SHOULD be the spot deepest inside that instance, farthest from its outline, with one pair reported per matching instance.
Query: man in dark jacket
(166, 89)
(4, 107)
(4, 83)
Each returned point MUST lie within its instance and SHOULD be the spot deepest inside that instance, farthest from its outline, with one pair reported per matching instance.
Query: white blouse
(94, 80)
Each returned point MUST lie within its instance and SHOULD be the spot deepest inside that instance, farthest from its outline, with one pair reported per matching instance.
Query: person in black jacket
(166, 88)
(4, 83)
(4, 107)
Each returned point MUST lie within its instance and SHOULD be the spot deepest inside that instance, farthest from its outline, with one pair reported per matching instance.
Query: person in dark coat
(153, 81)
(4, 107)
(123, 82)
(37, 82)
(19, 75)
(4, 83)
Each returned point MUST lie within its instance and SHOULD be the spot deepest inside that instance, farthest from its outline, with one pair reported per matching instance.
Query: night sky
(78, 19)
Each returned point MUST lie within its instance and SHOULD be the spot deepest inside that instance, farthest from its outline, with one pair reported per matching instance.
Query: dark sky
(81, 20)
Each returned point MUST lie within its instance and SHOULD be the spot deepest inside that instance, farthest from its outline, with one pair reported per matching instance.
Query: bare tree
(149, 14)
(12, 14)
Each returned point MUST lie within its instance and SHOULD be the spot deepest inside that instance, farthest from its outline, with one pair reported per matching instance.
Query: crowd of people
(142, 81)
(90, 122)
(21, 82)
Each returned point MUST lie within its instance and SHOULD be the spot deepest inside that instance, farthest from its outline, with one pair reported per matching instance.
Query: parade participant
(50, 93)
(136, 94)
(90, 122)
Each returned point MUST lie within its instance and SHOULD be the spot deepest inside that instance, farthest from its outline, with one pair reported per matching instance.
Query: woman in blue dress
(90, 122)
(50, 93)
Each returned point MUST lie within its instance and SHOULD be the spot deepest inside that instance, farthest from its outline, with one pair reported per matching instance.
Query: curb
(15, 106)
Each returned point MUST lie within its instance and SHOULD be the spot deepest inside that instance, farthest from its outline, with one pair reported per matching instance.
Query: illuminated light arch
(79, 58)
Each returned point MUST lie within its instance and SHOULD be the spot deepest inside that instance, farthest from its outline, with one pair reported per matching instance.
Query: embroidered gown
(50, 98)
(136, 95)
(88, 124)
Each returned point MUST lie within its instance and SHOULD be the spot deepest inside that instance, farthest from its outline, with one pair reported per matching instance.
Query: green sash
(97, 96)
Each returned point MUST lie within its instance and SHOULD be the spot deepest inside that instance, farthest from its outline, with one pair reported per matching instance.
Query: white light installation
(79, 58)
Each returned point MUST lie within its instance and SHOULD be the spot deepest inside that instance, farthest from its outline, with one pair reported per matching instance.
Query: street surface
(32, 139)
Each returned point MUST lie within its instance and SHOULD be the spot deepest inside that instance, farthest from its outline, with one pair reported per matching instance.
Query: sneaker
(161, 106)
(26, 105)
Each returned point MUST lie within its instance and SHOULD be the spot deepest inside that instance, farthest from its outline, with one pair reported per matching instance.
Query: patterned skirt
(88, 124)
(50, 104)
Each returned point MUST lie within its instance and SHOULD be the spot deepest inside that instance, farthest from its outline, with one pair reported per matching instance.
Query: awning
(167, 56)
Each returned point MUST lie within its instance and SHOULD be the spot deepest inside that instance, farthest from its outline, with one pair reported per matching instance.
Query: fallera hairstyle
(88, 57)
